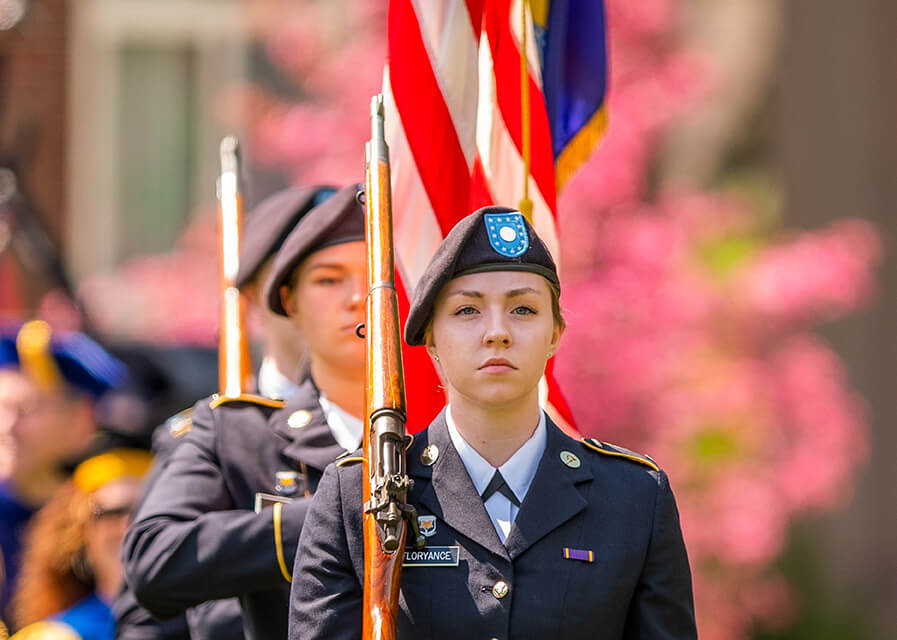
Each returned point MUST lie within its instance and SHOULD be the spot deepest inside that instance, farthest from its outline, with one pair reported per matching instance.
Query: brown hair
(55, 573)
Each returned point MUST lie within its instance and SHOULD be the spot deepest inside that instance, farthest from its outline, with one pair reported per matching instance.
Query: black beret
(338, 220)
(489, 239)
(269, 223)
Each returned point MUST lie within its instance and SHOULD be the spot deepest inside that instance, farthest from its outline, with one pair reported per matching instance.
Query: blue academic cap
(51, 358)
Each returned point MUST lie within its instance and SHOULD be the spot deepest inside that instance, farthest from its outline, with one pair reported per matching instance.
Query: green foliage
(819, 617)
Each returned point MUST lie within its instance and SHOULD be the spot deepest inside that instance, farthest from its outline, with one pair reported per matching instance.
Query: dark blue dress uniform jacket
(637, 586)
(196, 537)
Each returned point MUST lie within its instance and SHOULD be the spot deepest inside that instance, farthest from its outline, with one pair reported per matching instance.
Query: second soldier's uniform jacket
(596, 551)
(218, 619)
(223, 517)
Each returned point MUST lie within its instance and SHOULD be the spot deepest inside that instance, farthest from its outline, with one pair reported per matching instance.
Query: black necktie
(498, 484)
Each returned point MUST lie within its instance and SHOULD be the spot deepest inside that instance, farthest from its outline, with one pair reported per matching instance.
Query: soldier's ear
(286, 299)
(556, 338)
(428, 342)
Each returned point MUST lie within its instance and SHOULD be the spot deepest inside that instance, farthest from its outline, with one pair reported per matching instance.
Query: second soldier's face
(327, 304)
(493, 333)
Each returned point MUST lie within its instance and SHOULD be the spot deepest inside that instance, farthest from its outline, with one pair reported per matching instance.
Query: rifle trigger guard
(410, 514)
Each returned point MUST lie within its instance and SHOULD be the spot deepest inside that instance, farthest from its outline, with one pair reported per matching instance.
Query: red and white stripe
(453, 126)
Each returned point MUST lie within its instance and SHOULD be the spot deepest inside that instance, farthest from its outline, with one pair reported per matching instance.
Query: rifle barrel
(234, 368)
(385, 481)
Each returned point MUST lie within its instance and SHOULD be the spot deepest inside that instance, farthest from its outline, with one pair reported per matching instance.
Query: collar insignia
(429, 455)
(299, 419)
(570, 459)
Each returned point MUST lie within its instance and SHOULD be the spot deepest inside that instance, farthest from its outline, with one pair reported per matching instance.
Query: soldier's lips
(497, 365)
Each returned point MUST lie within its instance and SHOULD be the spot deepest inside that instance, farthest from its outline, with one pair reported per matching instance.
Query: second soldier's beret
(338, 220)
(489, 239)
(271, 221)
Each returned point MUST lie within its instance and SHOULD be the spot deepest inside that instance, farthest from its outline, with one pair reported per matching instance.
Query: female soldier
(530, 534)
(223, 517)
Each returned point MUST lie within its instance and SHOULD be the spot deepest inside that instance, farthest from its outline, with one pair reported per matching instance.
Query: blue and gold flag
(572, 38)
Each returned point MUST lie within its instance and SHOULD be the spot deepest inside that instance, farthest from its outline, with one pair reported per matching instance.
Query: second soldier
(223, 517)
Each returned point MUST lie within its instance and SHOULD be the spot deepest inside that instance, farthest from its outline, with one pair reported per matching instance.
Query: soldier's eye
(523, 310)
(466, 311)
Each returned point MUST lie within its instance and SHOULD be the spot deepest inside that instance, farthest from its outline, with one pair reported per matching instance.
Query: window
(144, 78)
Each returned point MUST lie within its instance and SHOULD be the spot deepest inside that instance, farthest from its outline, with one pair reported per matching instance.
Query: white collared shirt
(272, 383)
(518, 472)
(347, 430)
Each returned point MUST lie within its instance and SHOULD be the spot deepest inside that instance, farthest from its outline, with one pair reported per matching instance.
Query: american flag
(455, 104)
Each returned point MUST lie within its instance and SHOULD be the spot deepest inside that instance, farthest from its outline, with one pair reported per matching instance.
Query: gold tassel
(35, 359)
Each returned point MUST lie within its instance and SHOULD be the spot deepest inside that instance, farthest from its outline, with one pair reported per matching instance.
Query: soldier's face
(327, 304)
(493, 333)
(279, 334)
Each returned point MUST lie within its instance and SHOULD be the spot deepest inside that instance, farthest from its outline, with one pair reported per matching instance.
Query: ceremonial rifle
(386, 483)
(234, 369)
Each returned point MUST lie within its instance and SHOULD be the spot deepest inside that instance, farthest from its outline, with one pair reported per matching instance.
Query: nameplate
(432, 557)
(263, 500)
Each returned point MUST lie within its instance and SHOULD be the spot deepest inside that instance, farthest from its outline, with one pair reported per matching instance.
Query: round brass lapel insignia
(299, 419)
(429, 455)
(570, 459)
(500, 589)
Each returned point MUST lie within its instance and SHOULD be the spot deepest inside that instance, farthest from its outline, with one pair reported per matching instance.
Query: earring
(436, 358)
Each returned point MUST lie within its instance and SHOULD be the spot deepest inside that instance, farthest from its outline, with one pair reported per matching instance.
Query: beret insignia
(507, 233)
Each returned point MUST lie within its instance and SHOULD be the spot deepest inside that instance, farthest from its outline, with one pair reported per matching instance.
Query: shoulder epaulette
(46, 630)
(218, 400)
(349, 460)
(612, 450)
(180, 423)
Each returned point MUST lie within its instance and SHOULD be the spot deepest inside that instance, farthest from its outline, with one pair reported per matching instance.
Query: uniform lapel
(553, 497)
(450, 494)
(308, 437)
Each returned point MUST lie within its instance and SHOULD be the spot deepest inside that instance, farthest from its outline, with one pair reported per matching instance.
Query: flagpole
(526, 205)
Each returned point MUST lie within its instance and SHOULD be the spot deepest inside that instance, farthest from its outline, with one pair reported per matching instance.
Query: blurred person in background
(283, 357)
(71, 571)
(50, 386)
(224, 515)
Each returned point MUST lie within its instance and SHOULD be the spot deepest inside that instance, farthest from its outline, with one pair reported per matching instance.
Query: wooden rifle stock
(385, 480)
(234, 368)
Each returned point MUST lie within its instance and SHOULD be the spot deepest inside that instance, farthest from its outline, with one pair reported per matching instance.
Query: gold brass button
(429, 455)
(299, 419)
(500, 589)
